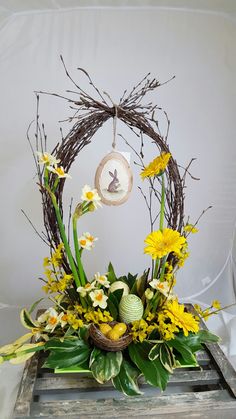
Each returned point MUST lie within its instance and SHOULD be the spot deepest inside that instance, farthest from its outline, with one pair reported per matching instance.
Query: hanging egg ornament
(130, 308)
(114, 179)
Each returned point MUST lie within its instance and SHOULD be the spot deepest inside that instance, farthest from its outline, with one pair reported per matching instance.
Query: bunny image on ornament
(114, 184)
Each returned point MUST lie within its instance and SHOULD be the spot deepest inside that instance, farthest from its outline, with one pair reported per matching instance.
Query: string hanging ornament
(114, 178)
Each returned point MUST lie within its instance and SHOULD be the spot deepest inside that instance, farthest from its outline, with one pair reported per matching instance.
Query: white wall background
(118, 47)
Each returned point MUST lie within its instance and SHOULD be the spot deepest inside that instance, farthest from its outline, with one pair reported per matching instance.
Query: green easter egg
(130, 308)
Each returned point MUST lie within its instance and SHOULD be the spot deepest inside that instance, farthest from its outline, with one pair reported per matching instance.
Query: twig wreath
(117, 328)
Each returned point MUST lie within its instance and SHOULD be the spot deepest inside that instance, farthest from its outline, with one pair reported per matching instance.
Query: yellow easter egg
(113, 335)
(105, 328)
(120, 328)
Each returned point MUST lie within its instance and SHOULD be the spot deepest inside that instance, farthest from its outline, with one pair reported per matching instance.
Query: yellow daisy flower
(185, 321)
(157, 166)
(59, 171)
(160, 243)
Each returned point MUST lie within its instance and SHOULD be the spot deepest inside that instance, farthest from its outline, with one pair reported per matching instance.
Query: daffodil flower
(59, 171)
(162, 287)
(86, 241)
(52, 318)
(98, 298)
(102, 280)
(91, 195)
(87, 288)
(46, 158)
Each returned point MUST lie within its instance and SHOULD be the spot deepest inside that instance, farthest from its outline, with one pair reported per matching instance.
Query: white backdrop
(118, 47)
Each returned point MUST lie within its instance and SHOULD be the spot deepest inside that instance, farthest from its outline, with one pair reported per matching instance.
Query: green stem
(64, 239)
(162, 213)
(77, 251)
(157, 264)
(163, 268)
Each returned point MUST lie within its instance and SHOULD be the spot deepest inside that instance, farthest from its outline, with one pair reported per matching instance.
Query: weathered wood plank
(138, 406)
(67, 383)
(25, 393)
(226, 369)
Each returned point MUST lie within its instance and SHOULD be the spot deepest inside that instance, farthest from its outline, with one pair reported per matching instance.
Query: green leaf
(106, 366)
(154, 352)
(131, 280)
(118, 295)
(126, 380)
(69, 344)
(66, 359)
(94, 354)
(153, 371)
(166, 357)
(195, 340)
(111, 273)
(112, 306)
(34, 305)
(67, 353)
(184, 350)
(26, 320)
(141, 284)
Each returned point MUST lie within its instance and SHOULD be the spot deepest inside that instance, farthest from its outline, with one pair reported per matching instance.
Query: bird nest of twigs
(103, 342)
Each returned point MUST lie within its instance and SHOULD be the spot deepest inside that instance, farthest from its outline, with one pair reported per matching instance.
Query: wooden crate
(208, 391)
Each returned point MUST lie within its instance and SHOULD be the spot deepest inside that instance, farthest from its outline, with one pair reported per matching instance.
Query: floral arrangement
(117, 328)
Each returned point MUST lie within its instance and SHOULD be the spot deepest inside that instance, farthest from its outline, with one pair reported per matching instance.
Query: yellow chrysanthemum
(185, 321)
(160, 243)
(157, 166)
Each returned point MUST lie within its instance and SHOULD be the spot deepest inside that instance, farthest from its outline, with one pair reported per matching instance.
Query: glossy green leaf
(153, 371)
(69, 344)
(26, 319)
(195, 340)
(126, 380)
(166, 358)
(67, 359)
(154, 352)
(34, 305)
(94, 354)
(184, 350)
(106, 366)
(111, 276)
(111, 304)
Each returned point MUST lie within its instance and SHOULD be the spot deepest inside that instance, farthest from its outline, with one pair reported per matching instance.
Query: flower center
(89, 195)
(83, 242)
(99, 297)
(52, 320)
(60, 171)
(87, 286)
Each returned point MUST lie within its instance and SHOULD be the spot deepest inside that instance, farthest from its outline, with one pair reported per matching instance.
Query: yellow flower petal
(157, 166)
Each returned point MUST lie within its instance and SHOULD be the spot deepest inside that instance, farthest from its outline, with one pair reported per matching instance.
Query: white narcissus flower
(162, 287)
(59, 171)
(91, 195)
(87, 288)
(46, 158)
(98, 298)
(86, 241)
(52, 318)
(102, 279)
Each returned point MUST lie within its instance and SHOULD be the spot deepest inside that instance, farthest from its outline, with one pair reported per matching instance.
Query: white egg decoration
(130, 308)
(119, 285)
